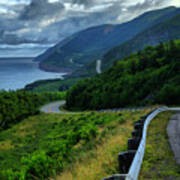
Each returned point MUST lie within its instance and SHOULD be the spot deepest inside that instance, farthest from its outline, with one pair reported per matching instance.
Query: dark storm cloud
(37, 18)
(41, 9)
(84, 2)
(49, 21)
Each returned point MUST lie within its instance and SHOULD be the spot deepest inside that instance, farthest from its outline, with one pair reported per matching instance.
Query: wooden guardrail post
(115, 177)
(125, 159)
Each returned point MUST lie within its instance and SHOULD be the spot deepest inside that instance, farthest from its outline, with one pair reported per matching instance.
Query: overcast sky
(28, 27)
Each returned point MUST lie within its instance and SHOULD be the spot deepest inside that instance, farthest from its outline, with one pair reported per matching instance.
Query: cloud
(41, 9)
(23, 50)
(49, 21)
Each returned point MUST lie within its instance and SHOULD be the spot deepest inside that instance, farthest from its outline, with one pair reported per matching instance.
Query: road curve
(98, 66)
(53, 107)
(173, 131)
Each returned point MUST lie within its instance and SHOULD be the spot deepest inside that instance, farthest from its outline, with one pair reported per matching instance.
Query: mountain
(86, 46)
(151, 76)
(161, 32)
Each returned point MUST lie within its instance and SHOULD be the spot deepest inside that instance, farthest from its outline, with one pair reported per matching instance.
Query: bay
(16, 73)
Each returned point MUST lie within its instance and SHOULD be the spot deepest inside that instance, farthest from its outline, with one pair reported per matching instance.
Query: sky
(29, 27)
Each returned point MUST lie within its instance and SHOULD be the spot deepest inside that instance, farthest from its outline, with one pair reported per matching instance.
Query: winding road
(53, 107)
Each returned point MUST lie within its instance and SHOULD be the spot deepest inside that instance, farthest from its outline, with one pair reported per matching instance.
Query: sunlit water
(17, 73)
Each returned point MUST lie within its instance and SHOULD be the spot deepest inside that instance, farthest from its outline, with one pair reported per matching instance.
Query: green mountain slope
(147, 77)
(90, 44)
(161, 32)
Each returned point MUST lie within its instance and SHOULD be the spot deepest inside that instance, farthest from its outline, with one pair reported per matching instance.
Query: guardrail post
(115, 178)
(130, 161)
(125, 159)
(138, 126)
(133, 143)
(137, 133)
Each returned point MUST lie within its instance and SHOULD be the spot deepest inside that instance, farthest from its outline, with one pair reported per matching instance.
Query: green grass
(44, 145)
(159, 162)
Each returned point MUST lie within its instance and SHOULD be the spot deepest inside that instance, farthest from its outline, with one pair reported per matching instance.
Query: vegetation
(161, 32)
(44, 145)
(101, 161)
(51, 85)
(35, 145)
(88, 45)
(159, 162)
(150, 76)
(88, 70)
(16, 105)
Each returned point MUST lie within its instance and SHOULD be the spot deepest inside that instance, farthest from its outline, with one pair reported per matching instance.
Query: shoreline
(28, 73)
(52, 69)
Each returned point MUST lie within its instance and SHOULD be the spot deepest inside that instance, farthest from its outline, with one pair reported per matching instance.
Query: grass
(159, 162)
(82, 146)
(102, 161)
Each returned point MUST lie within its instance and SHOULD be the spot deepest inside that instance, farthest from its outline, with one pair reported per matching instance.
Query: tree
(133, 67)
(160, 50)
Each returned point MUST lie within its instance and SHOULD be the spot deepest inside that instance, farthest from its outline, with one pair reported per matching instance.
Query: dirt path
(173, 130)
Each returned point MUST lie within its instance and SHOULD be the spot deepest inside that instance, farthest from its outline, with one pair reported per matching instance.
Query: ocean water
(17, 73)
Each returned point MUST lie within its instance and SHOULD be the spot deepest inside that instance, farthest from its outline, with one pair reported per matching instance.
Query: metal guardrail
(123, 109)
(135, 167)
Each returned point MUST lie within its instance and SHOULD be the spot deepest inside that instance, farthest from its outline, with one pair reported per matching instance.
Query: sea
(16, 73)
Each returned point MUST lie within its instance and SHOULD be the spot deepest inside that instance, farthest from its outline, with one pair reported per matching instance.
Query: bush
(16, 105)
(38, 165)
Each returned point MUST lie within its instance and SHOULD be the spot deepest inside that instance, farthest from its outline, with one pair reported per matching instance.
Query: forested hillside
(16, 105)
(159, 33)
(88, 45)
(162, 32)
(151, 76)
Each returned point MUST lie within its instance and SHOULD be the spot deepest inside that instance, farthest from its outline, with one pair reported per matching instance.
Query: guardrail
(131, 160)
(124, 109)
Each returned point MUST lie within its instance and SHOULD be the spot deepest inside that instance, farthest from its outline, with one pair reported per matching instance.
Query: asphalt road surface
(53, 107)
(173, 130)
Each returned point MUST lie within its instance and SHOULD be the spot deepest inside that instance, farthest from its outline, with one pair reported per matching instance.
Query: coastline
(54, 69)
(16, 74)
